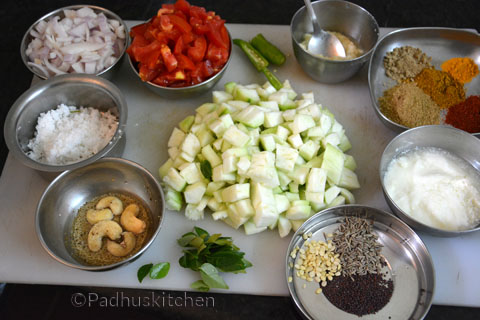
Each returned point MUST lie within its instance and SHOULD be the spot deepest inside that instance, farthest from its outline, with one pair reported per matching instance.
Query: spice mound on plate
(436, 188)
(67, 135)
(441, 86)
(462, 69)
(363, 287)
(405, 62)
(408, 105)
(465, 115)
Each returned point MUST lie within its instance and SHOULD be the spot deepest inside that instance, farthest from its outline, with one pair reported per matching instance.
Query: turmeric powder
(462, 69)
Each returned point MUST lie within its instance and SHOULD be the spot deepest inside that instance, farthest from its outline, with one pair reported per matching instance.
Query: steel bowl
(409, 265)
(61, 200)
(439, 43)
(455, 141)
(108, 73)
(334, 15)
(71, 89)
(183, 92)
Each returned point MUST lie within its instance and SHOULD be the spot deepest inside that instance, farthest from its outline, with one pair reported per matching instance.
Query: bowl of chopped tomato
(182, 51)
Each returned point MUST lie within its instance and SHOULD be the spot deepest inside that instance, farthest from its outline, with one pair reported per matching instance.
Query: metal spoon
(322, 42)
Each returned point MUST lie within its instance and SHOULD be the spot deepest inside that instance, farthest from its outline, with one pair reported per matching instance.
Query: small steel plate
(408, 261)
(439, 43)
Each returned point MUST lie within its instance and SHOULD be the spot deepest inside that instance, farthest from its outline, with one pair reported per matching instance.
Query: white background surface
(150, 122)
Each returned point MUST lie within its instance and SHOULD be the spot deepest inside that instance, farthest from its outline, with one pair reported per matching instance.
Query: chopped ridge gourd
(256, 157)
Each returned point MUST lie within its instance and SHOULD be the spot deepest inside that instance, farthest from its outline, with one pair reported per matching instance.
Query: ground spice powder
(408, 105)
(441, 87)
(462, 69)
(465, 115)
(405, 62)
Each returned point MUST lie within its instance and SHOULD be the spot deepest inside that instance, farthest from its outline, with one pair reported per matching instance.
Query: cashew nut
(94, 216)
(130, 221)
(111, 202)
(123, 248)
(101, 229)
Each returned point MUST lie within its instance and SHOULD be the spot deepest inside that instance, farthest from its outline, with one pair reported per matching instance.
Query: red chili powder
(465, 115)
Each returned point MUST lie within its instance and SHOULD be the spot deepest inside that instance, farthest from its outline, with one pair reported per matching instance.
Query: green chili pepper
(253, 55)
(268, 50)
(272, 79)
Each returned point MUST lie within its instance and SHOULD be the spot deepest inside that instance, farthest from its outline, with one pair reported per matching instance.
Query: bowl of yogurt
(430, 178)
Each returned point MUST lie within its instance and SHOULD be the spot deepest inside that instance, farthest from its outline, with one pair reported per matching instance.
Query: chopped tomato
(180, 23)
(183, 6)
(181, 46)
(165, 23)
(197, 51)
(168, 58)
(184, 62)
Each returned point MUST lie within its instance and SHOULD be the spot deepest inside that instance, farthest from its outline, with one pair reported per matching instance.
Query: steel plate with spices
(355, 261)
(426, 76)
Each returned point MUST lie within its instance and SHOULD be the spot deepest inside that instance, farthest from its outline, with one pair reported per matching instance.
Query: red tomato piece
(168, 58)
(213, 34)
(207, 69)
(180, 23)
(138, 30)
(184, 62)
(216, 54)
(197, 52)
(179, 46)
(188, 38)
(165, 23)
(166, 9)
(147, 74)
(198, 12)
(183, 6)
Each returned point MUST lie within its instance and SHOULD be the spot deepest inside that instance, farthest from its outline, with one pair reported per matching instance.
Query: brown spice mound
(405, 62)
(408, 105)
(441, 86)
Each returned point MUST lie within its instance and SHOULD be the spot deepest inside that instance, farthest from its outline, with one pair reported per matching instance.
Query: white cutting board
(150, 122)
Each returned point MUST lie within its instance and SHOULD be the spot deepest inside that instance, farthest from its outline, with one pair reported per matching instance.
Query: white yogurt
(436, 188)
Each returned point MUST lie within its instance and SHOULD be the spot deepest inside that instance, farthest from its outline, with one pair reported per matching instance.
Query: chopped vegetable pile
(182, 45)
(259, 158)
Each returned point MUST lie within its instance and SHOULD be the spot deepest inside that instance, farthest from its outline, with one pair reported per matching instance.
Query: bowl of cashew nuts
(100, 216)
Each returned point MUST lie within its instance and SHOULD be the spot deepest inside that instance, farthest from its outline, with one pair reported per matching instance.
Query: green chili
(268, 50)
(253, 55)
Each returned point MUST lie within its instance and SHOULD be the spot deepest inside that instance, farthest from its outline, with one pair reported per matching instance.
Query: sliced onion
(82, 41)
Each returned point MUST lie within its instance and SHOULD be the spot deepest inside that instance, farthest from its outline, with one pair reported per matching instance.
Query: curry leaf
(143, 271)
(160, 270)
(206, 169)
(211, 277)
(200, 286)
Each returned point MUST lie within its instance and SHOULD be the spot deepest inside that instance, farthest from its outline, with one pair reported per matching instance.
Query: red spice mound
(465, 115)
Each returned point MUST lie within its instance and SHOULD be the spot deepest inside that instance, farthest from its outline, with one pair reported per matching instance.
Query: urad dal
(67, 135)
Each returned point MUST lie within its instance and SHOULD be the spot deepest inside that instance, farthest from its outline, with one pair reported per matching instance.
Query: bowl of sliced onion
(75, 39)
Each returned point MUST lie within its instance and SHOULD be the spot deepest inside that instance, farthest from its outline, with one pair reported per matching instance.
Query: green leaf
(200, 286)
(160, 270)
(227, 261)
(186, 239)
(211, 277)
(200, 232)
(143, 271)
(196, 242)
(206, 169)
(214, 237)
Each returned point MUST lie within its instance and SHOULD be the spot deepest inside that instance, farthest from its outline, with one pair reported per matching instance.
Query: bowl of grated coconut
(66, 122)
